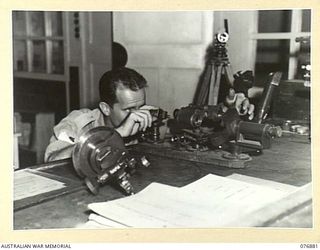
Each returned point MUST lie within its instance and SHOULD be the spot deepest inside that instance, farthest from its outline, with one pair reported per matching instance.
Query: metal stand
(217, 64)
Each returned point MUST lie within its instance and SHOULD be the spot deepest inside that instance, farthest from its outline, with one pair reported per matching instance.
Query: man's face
(128, 100)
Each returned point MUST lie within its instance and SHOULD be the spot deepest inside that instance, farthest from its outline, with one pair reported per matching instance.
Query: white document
(97, 221)
(28, 184)
(212, 201)
(130, 210)
(263, 182)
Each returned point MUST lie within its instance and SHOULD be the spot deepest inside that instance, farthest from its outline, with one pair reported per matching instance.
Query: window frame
(296, 26)
(48, 39)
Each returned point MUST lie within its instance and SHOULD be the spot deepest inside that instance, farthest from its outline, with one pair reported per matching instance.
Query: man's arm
(58, 150)
(66, 133)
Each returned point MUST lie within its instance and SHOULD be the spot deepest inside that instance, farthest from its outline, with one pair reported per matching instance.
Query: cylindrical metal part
(259, 132)
(145, 162)
(94, 145)
(189, 116)
(193, 116)
(267, 96)
(251, 128)
(275, 131)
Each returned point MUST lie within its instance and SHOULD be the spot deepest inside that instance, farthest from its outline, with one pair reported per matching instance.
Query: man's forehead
(130, 98)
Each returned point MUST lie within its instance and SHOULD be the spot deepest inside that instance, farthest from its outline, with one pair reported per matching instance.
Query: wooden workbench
(288, 162)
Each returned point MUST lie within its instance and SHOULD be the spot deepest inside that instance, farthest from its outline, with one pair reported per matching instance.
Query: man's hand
(137, 120)
(240, 102)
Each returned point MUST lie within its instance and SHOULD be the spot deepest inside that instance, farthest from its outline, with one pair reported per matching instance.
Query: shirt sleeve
(66, 134)
(58, 150)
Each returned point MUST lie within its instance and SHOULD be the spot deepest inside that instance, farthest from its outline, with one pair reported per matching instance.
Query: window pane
(19, 23)
(39, 56)
(274, 21)
(272, 55)
(36, 21)
(56, 22)
(306, 21)
(20, 56)
(57, 57)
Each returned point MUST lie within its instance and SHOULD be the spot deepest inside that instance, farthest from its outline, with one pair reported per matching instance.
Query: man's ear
(105, 108)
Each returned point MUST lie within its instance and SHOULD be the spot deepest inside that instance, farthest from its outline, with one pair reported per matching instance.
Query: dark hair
(110, 81)
(119, 55)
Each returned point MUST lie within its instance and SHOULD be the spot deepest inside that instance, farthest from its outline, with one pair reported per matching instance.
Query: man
(122, 95)
(122, 107)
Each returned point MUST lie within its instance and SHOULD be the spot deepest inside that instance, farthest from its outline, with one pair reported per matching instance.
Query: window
(278, 42)
(38, 43)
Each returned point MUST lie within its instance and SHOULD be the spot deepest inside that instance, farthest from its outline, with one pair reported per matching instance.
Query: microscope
(203, 128)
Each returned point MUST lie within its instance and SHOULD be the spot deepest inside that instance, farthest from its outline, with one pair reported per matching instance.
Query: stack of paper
(27, 184)
(211, 201)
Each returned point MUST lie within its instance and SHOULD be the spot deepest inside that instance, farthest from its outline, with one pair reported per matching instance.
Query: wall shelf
(40, 76)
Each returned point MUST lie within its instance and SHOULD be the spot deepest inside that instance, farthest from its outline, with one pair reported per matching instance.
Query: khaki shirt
(67, 132)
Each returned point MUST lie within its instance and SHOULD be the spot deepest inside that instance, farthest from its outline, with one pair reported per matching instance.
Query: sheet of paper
(212, 201)
(263, 182)
(104, 221)
(90, 224)
(28, 184)
(97, 221)
(136, 205)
